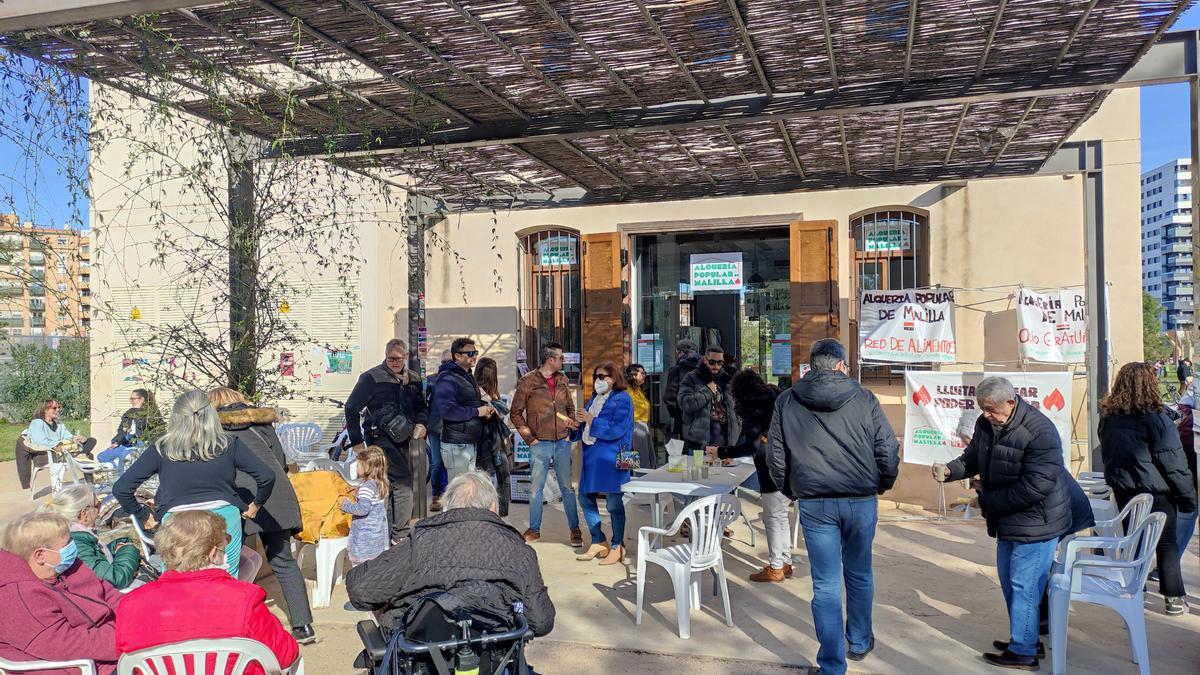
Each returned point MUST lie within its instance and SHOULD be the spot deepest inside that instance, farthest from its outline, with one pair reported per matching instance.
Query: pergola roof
(531, 102)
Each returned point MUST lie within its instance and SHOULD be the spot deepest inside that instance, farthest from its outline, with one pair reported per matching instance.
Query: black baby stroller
(440, 636)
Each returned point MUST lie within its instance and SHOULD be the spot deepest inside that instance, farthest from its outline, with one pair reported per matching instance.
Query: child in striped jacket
(369, 529)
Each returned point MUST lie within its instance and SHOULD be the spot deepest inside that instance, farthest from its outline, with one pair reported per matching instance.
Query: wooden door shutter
(815, 299)
(604, 303)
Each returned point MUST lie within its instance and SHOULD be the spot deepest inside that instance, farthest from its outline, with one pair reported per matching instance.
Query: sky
(1164, 132)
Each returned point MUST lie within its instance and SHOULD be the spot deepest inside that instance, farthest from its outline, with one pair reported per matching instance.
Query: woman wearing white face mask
(607, 429)
(55, 607)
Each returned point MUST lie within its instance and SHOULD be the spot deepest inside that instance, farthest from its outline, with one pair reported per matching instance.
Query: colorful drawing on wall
(287, 364)
(129, 369)
(339, 361)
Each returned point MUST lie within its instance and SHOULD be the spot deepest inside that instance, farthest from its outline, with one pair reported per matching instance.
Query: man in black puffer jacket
(1026, 498)
(687, 359)
(466, 550)
(831, 447)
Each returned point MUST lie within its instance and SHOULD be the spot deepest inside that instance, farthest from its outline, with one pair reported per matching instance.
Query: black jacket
(456, 396)
(686, 364)
(149, 423)
(696, 403)
(448, 551)
(253, 427)
(1024, 497)
(1082, 516)
(378, 391)
(830, 438)
(1142, 453)
(754, 406)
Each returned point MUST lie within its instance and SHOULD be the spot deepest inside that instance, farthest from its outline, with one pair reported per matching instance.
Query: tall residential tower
(1167, 240)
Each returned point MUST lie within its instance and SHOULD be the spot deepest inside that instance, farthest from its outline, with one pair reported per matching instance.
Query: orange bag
(318, 493)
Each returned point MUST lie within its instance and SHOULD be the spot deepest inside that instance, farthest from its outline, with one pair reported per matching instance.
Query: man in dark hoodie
(687, 359)
(831, 447)
(1026, 498)
(460, 408)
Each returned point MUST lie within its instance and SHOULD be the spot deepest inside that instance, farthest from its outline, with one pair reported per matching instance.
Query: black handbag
(391, 421)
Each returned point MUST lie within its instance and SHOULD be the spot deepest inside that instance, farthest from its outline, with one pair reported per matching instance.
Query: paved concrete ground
(937, 605)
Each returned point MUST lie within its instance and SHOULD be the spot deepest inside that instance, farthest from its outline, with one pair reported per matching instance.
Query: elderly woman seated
(55, 607)
(196, 599)
(118, 562)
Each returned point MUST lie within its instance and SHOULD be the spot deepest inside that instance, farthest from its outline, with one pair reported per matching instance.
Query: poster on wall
(940, 410)
(909, 326)
(1052, 327)
(716, 272)
(287, 364)
(338, 361)
(650, 352)
(781, 354)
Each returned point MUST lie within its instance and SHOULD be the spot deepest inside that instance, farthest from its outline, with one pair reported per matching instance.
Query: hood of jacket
(241, 416)
(450, 367)
(825, 390)
(690, 360)
(14, 571)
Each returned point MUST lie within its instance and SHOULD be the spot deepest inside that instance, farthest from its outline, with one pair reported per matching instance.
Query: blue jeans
(117, 455)
(615, 503)
(1024, 569)
(1185, 525)
(459, 458)
(437, 469)
(540, 456)
(838, 533)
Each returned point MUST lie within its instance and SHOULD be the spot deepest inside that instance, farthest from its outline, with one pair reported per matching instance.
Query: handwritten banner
(910, 326)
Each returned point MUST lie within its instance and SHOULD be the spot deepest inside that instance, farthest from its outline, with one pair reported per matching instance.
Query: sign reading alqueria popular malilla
(716, 272)
(908, 326)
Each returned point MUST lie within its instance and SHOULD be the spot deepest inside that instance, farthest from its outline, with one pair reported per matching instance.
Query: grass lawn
(10, 432)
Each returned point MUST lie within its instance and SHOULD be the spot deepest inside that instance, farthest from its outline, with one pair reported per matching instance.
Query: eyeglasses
(716, 363)
(395, 359)
(467, 354)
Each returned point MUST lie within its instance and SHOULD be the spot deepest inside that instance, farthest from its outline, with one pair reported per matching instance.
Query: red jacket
(69, 618)
(201, 605)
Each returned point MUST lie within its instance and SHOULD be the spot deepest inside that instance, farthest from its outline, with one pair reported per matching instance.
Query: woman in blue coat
(607, 428)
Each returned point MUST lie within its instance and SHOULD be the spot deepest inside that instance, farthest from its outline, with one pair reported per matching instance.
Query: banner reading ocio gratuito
(940, 410)
(910, 326)
(1052, 327)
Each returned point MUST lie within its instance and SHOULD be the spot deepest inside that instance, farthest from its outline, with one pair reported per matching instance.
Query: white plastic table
(721, 480)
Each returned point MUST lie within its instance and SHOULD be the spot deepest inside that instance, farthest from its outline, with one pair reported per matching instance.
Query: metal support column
(1085, 158)
(244, 235)
(420, 213)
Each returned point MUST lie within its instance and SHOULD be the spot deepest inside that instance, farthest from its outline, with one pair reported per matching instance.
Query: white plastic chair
(330, 552)
(1091, 475)
(299, 439)
(326, 464)
(1114, 581)
(707, 517)
(144, 540)
(1127, 520)
(84, 666)
(233, 656)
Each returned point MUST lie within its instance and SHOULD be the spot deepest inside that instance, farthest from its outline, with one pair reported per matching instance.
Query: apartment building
(45, 280)
(1167, 240)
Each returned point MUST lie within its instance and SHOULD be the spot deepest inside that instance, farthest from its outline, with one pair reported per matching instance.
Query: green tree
(38, 372)
(1156, 345)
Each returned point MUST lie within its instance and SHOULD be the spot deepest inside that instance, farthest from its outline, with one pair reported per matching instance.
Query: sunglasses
(467, 354)
(716, 362)
(395, 359)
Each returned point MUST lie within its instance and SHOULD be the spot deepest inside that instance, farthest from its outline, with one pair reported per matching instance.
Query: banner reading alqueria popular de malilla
(909, 326)
(940, 410)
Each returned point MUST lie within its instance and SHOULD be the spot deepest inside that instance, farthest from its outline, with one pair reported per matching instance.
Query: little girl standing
(369, 529)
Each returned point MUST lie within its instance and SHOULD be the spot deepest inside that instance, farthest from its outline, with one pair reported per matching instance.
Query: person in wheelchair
(481, 566)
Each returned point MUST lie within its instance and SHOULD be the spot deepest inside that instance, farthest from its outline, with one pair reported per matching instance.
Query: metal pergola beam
(671, 51)
(740, 24)
(742, 110)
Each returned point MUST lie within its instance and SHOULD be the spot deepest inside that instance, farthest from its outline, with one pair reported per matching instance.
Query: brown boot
(770, 574)
(787, 570)
(576, 537)
(531, 536)
(436, 505)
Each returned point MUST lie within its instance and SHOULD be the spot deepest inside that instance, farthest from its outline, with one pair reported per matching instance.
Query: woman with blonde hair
(196, 599)
(197, 463)
(117, 563)
(279, 518)
(55, 607)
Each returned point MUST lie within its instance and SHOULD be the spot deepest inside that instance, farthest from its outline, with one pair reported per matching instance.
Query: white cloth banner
(940, 410)
(911, 326)
(1052, 327)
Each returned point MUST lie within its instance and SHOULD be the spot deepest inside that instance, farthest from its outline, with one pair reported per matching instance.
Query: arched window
(891, 252)
(550, 295)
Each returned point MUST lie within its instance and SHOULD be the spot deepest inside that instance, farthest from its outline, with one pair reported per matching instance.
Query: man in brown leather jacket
(544, 414)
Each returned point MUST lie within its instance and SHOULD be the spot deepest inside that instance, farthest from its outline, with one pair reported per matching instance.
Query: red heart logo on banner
(921, 396)
(1054, 401)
